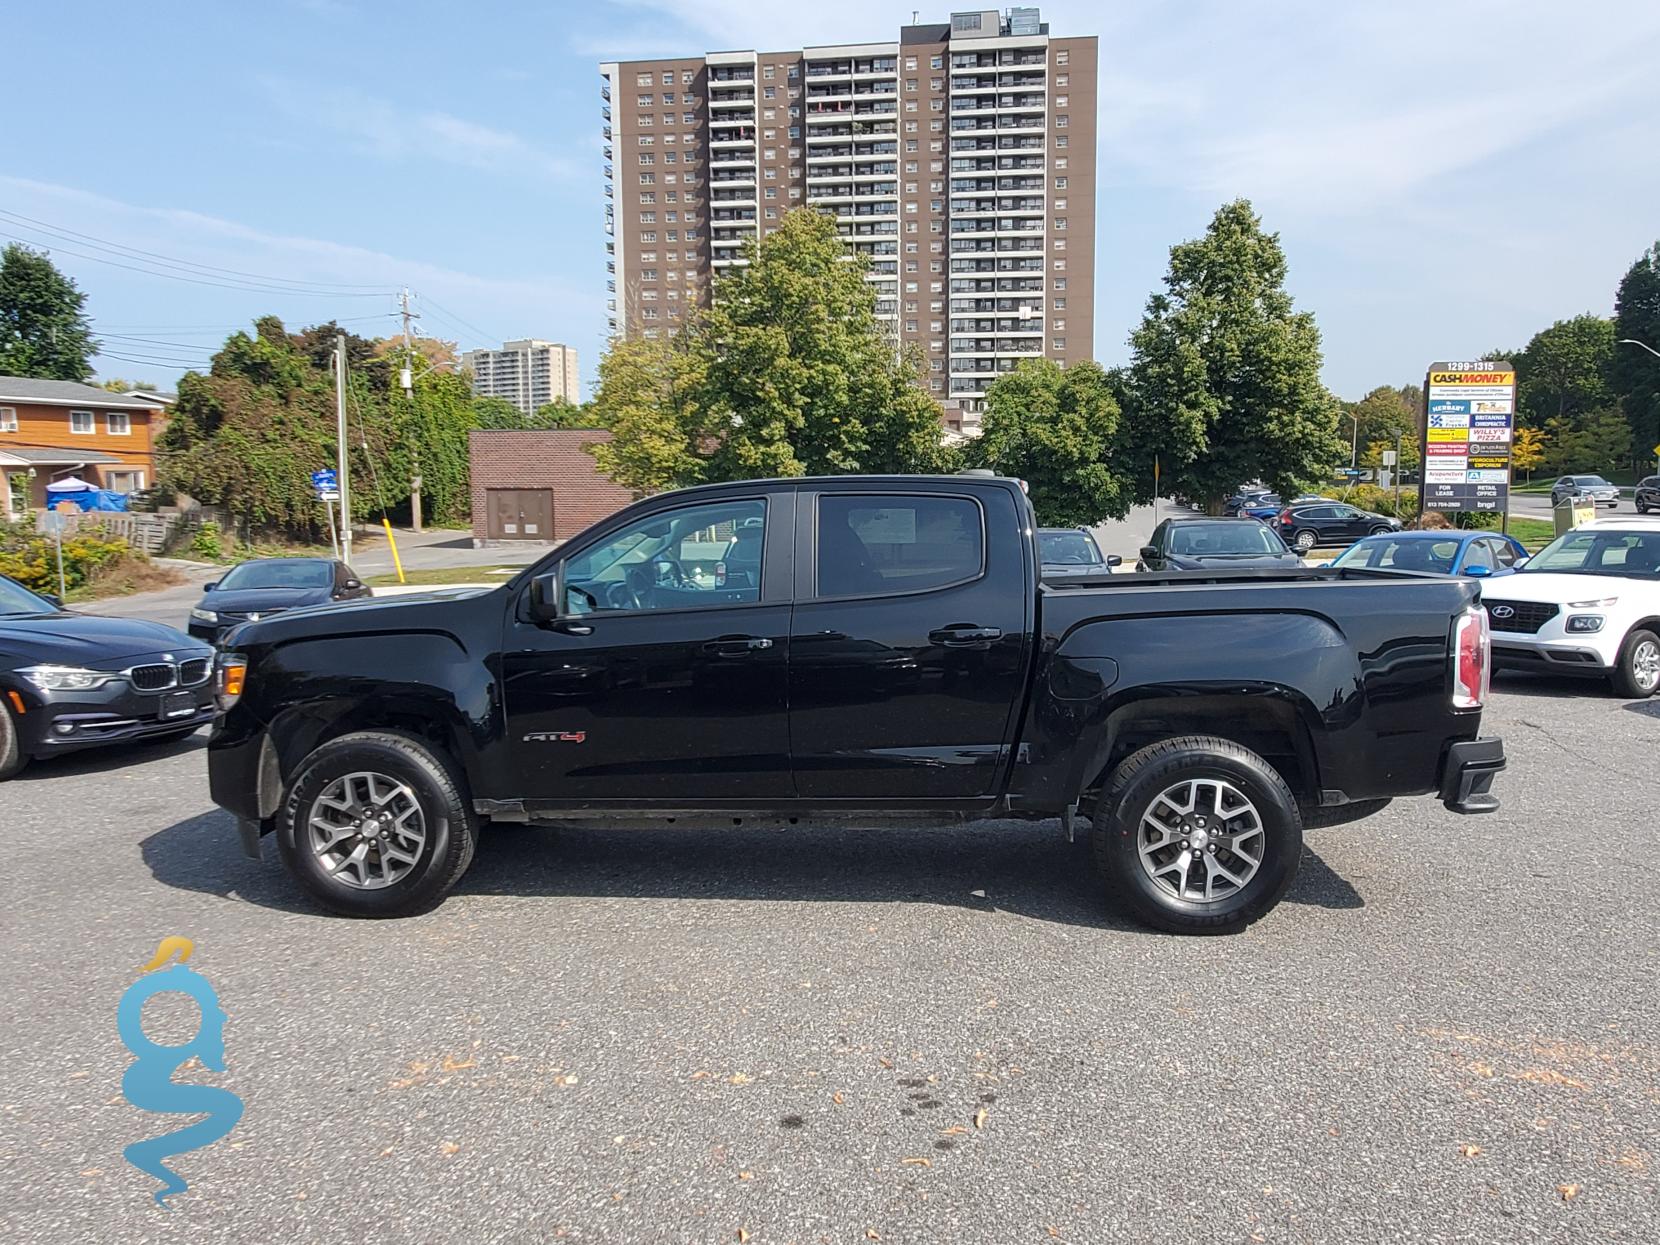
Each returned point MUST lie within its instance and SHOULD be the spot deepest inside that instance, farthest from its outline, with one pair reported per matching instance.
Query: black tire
(1382, 529)
(451, 827)
(1132, 789)
(1305, 540)
(12, 756)
(1341, 814)
(1634, 676)
(1641, 509)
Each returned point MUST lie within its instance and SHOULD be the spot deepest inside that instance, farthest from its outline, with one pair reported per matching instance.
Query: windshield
(1068, 549)
(279, 573)
(1592, 481)
(1599, 551)
(16, 599)
(1409, 553)
(1224, 540)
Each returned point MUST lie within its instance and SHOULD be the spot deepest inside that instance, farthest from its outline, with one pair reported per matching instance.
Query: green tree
(1224, 382)
(650, 397)
(1055, 429)
(1597, 440)
(800, 375)
(44, 331)
(1634, 375)
(1385, 413)
(563, 413)
(1563, 373)
(117, 384)
(498, 413)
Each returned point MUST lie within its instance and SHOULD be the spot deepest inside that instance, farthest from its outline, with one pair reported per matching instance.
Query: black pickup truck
(873, 649)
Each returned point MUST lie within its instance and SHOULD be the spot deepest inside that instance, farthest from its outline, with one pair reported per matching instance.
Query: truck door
(909, 646)
(664, 680)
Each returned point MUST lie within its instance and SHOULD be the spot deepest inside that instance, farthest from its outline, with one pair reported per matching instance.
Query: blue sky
(1447, 178)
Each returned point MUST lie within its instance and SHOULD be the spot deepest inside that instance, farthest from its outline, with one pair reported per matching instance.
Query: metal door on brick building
(520, 514)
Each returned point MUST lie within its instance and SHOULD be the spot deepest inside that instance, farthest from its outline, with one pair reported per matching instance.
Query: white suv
(1588, 603)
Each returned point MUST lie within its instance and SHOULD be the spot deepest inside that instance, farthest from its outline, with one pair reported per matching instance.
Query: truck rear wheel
(1197, 835)
(376, 824)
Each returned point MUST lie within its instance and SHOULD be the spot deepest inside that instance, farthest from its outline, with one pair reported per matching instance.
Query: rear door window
(890, 543)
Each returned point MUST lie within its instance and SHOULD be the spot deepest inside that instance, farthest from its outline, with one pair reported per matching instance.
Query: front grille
(156, 678)
(254, 615)
(1521, 616)
(195, 671)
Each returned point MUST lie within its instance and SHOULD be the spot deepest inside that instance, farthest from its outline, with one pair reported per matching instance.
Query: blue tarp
(88, 499)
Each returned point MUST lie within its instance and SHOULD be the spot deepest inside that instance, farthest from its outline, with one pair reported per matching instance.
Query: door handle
(965, 635)
(737, 645)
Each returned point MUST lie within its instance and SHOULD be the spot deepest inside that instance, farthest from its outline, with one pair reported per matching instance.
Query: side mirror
(1149, 553)
(51, 598)
(1478, 572)
(1521, 562)
(209, 587)
(1114, 560)
(354, 584)
(544, 597)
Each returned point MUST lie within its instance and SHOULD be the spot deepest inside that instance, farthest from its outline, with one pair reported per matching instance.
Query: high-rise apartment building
(527, 373)
(959, 156)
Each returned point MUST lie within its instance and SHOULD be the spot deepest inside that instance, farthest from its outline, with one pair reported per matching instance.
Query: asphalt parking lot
(1449, 1032)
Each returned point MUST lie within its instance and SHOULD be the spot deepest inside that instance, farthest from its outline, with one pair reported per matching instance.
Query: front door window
(696, 557)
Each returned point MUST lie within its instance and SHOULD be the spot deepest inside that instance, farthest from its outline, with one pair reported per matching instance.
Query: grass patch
(125, 577)
(1534, 533)
(449, 575)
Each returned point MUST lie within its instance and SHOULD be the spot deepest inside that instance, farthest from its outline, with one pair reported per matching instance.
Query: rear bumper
(1467, 775)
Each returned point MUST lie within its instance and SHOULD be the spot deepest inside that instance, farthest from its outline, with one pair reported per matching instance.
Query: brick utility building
(540, 486)
(960, 156)
(528, 373)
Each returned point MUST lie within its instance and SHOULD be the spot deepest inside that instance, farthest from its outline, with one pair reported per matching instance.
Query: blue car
(1472, 553)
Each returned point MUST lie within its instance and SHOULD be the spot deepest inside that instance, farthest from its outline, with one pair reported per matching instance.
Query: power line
(104, 244)
(448, 314)
(151, 272)
(187, 364)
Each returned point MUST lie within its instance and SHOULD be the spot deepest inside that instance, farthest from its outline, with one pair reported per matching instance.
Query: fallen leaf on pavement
(738, 1078)
(953, 1131)
(386, 1153)
(837, 1098)
(871, 1234)
(1568, 1191)
(1469, 1152)
(886, 1063)
(917, 1162)
(1054, 1232)
(743, 1234)
(449, 1147)
(746, 1175)
(93, 1171)
(980, 1118)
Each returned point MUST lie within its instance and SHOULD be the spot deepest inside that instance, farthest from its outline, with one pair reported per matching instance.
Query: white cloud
(392, 132)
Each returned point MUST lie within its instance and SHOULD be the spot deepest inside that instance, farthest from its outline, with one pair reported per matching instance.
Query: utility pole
(406, 378)
(343, 469)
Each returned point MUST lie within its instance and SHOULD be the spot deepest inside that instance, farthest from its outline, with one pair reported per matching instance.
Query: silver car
(1594, 487)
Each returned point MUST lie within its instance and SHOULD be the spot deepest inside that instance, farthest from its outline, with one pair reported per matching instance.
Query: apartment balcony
(605, 111)
(731, 99)
(605, 93)
(725, 140)
(727, 198)
(728, 73)
(726, 216)
(1005, 328)
(1001, 307)
(997, 226)
(829, 69)
(996, 207)
(1006, 347)
(736, 153)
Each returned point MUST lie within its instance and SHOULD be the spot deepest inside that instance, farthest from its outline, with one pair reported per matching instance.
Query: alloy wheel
(1645, 665)
(1202, 839)
(367, 830)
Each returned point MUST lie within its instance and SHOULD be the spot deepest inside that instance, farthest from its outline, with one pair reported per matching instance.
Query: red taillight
(720, 574)
(1285, 515)
(1472, 657)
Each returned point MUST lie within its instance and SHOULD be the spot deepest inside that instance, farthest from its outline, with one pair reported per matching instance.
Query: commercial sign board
(1469, 412)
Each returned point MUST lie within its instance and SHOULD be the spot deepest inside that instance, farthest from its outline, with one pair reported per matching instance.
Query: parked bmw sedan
(254, 590)
(1440, 553)
(1190, 543)
(1306, 527)
(1071, 552)
(70, 681)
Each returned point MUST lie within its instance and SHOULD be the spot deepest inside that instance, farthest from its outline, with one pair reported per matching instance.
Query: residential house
(53, 429)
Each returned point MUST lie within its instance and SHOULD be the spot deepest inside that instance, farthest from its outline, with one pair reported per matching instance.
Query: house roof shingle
(70, 393)
(14, 456)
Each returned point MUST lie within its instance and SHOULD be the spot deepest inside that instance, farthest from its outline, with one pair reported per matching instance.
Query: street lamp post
(1632, 341)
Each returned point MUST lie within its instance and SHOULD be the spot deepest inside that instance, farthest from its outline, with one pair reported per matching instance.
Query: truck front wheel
(1197, 835)
(376, 824)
